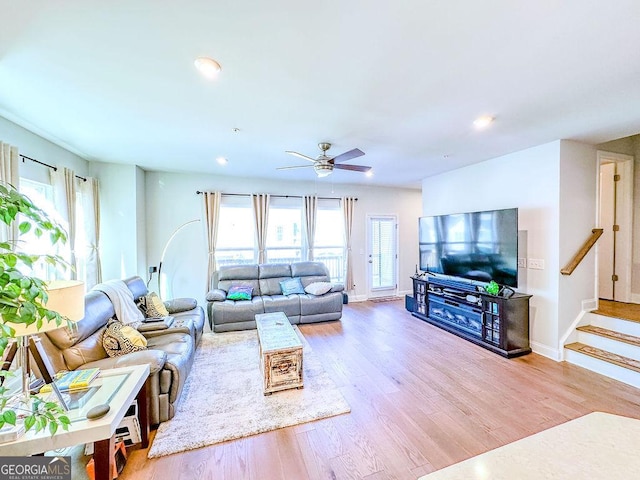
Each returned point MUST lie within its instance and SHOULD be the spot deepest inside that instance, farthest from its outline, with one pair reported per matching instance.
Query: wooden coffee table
(280, 352)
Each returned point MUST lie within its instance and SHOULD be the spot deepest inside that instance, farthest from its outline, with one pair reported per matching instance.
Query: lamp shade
(66, 297)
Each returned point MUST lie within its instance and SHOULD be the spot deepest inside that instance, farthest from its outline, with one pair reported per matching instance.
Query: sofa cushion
(119, 339)
(290, 305)
(318, 288)
(271, 274)
(310, 269)
(291, 286)
(231, 311)
(98, 309)
(88, 350)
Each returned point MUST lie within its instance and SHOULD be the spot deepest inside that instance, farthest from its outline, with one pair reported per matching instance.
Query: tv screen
(480, 246)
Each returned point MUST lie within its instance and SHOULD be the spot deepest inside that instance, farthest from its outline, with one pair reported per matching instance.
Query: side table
(116, 387)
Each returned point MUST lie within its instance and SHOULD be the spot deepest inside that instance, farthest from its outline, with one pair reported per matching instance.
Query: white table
(596, 446)
(116, 387)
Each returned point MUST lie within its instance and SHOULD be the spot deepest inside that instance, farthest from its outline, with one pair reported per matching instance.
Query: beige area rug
(223, 400)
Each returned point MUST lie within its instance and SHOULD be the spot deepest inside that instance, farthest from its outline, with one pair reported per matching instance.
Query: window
(41, 194)
(284, 232)
(329, 242)
(236, 232)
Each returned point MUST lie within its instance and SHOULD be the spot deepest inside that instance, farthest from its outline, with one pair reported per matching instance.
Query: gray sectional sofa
(225, 315)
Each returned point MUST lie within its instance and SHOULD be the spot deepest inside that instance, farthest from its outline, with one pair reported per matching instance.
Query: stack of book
(76, 380)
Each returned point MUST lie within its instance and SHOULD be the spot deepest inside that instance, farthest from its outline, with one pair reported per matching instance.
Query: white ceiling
(403, 80)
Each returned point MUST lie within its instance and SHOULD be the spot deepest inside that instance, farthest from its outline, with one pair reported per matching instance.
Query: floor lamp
(66, 297)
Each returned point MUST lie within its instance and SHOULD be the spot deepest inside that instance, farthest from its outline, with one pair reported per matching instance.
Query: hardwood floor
(421, 399)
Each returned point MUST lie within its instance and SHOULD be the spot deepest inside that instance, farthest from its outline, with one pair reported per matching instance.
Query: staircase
(609, 346)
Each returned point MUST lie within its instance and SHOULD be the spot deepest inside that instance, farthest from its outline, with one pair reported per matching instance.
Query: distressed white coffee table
(280, 352)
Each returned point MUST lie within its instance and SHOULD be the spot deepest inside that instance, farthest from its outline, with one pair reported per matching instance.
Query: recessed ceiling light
(207, 67)
(369, 173)
(484, 121)
(222, 160)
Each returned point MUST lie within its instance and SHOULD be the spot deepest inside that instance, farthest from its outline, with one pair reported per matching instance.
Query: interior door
(382, 256)
(615, 217)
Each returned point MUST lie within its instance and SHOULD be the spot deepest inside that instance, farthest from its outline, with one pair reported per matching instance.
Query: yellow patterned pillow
(152, 306)
(119, 339)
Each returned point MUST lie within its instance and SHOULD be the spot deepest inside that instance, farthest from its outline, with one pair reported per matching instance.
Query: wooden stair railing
(575, 261)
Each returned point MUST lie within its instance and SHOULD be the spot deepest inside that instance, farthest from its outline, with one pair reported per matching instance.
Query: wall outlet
(522, 263)
(536, 264)
(153, 269)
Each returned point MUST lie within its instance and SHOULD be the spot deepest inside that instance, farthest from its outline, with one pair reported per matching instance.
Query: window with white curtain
(236, 232)
(328, 245)
(284, 231)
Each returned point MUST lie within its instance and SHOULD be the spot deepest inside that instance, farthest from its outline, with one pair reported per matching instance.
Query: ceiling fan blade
(295, 166)
(300, 155)
(355, 168)
(343, 157)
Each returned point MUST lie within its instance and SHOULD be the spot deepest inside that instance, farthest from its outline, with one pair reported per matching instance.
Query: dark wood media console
(496, 323)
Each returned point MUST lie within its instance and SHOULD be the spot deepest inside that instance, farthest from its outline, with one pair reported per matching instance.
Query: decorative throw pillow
(291, 286)
(240, 293)
(318, 288)
(119, 339)
(152, 306)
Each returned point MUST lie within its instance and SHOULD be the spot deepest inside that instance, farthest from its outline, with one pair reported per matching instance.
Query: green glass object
(492, 287)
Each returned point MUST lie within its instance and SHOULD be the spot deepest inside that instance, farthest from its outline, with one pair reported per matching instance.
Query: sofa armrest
(337, 288)
(216, 295)
(178, 305)
(156, 360)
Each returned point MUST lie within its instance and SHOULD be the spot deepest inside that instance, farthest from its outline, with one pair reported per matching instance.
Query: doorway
(615, 215)
(382, 255)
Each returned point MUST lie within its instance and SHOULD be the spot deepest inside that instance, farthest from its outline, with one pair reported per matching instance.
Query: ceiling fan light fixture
(208, 67)
(323, 169)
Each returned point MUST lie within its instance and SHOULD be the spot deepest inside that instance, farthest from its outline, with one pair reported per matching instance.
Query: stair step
(605, 356)
(635, 319)
(605, 332)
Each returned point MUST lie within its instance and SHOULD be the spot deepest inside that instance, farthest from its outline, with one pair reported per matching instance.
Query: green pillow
(240, 293)
(291, 286)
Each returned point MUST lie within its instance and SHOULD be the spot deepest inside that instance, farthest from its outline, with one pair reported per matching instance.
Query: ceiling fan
(324, 164)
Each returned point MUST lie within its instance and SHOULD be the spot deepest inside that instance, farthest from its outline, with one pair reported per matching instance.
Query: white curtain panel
(211, 209)
(310, 212)
(63, 181)
(9, 175)
(348, 206)
(261, 216)
(91, 210)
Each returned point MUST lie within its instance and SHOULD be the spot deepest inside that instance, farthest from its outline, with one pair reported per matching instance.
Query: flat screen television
(481, 246)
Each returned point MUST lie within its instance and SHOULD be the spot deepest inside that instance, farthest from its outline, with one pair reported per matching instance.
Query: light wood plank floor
(421, 399)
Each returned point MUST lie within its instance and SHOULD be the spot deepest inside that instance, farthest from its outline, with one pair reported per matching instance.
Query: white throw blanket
(122, 299)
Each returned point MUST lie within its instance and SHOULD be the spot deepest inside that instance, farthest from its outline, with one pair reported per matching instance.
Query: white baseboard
(635, 298)
(546, 351)
(357, 298)
(592, 304)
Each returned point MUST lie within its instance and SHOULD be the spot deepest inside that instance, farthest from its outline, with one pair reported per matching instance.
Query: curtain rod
(198, 192)
(54, 168)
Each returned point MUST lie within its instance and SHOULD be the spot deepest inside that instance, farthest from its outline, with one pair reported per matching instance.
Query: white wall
(34, 146)
(171, 200)
(578, 187)
(528, 180)
(119, 229)
(141, 223)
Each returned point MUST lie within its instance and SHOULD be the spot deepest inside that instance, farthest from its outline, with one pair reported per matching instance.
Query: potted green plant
(23, 299)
